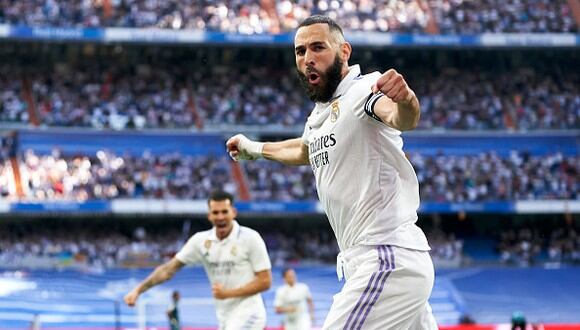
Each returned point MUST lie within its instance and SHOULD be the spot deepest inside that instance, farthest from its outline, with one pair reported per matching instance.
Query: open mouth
(221, 224)
(313, 78)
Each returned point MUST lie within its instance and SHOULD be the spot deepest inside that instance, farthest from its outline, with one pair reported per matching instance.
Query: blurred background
(113, 121)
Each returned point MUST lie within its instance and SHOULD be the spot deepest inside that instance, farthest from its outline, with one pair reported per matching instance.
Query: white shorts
(243, 318)
(386, 287)
(302, 323)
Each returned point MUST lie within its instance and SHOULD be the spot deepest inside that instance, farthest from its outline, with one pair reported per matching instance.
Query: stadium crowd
(274, 181)
(84, 245)
(489, 177)
(100, 246)
(253, 16)
(530, 245)
(5, 167)
(495, 16)
(103, 245)
(477, 99)
(160, 98)
(12, 105)
(108, 176)
(446, 248)
(442, 178)
(144, 96)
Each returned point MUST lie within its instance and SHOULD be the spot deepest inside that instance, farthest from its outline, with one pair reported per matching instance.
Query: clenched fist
(239, 147)
(131, 298)
(393, 85)
(219, 292)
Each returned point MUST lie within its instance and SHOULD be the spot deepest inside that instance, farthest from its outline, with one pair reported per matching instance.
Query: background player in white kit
(294, 300)
(236, 262)
(365, 183)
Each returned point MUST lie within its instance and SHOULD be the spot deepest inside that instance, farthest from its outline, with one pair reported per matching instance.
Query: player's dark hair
(285, 270)
(321, 19)
(220, 195)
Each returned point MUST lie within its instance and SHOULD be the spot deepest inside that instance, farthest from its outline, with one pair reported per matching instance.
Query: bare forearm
(289, 152)
(406, 117)
(160, 275)
(256, 286)
(284, 310)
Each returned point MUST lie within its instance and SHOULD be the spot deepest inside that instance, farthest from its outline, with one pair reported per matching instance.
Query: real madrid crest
(234, 251)
(207, 244)
(335, 111)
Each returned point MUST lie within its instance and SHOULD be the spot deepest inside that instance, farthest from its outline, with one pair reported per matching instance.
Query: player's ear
(234, 211)
(345, 51)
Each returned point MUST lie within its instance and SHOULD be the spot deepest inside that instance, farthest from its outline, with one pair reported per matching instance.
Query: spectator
(151, 97)
(494, 16)
(108, 176)
(255, 17)
(468, 178)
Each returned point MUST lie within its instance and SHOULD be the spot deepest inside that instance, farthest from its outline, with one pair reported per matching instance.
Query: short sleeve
(305, 134)
(190, 253)
(307, 293)
(365, 101)
(259, 258)
(362, 95)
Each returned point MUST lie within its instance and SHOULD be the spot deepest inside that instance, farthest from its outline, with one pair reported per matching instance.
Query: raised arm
(161, 274)
(400, 108)
(289, 152)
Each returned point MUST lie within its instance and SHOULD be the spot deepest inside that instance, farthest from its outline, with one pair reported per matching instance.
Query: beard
(329, 81)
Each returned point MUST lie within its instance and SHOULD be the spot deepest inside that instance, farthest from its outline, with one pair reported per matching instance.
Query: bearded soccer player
(367, 187)
(236, 262)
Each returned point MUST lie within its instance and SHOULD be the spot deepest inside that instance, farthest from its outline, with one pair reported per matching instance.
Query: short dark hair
(220, 195)
(321, 19)
(286, 270)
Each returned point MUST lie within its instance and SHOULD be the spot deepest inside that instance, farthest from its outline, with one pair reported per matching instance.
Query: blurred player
(35, 323)
(235, 260)
(173, 312)
(294, 301)
(365, 183)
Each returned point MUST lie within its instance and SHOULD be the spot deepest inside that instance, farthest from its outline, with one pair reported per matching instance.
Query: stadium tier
(494, 172)
(259, 17)
(161, 94)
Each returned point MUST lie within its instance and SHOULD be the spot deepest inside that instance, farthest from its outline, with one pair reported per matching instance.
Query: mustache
(309, 70)
(329, 81)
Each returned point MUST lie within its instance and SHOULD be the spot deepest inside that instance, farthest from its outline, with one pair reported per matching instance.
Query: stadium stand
(55, 169)
(254, 17)
(105, 175)
(491, 16)
(148, 96)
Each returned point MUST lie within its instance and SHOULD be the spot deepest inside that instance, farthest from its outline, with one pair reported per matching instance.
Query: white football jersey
(366, 185)
(231, 262)
(294, 296)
